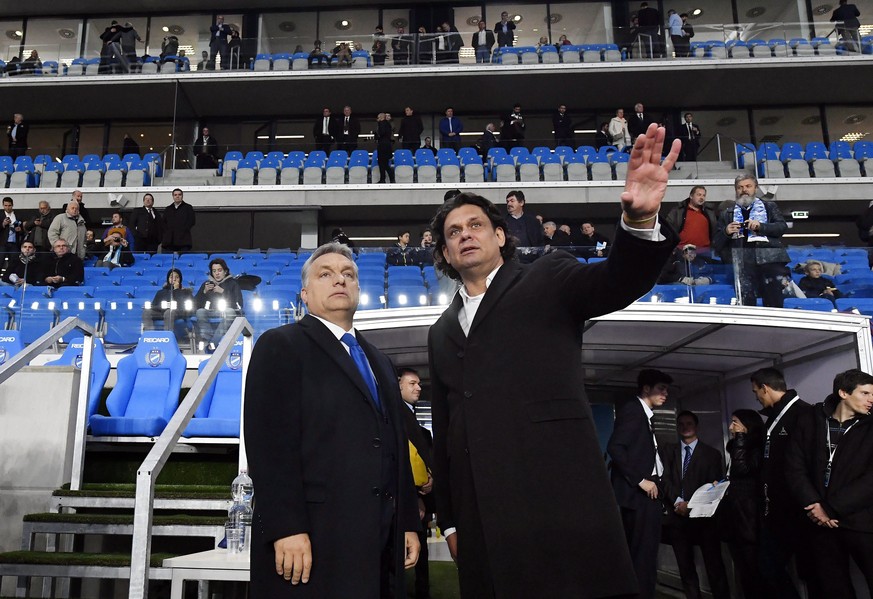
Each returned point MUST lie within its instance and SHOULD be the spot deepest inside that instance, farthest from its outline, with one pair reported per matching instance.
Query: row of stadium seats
(92, 170)
(91, 66)
(773, 48)
(815, 159)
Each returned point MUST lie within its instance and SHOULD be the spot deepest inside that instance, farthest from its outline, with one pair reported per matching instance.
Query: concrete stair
(183, 178)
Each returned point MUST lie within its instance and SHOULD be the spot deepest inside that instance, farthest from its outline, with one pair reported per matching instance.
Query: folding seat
(268, 172)
(263, 62)
(541, 151)
(114, 174)
(377, 257)
(823, 46)
(443, 153)
(816, 304)
(816, 154)
(528, 168)
(619, 161)
(570, 54)
(72, 174)
(801, 47)
(794, 161)
(313, 168)
(591, 53)
(404, 167)
(759, 49)
(563, 151)
(153, 159)
(359, 167)
(716, 294)
(716, 49)
(6, 169)
(151, 65)
(588, 152)
(553, 170)
(361, 59)
(245, 172)
(577, 170)
(300, 61)
(698, 49)
(746, 154)
(407, 295)
(77, 67)
(601, 169)
(40, 161)
(92, 66)
(450, 168)
(10, 345)
(230, 162)
(503, 168)
(769, 163)
(509, 55)
(137, 174)
(549, 54)
(611, 53)
(100, 368)
(372, 296)
(23, 174)
(281, 61)
(474, 169)
(425, 166)
(292, 167)
(146, 392)
(218, 414)
(841, 154)
(738, 49)
(93, 174)
(50, 68)
(335, 172)
(517, 152)
(404, 274)
(528, 55)
(667, 293)
(778, 48)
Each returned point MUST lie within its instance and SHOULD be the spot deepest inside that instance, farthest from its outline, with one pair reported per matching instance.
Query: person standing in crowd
(206, 150)
(146, 226)
(37, 227)
(69, 227)
(688, 466)
(349, 129)
(602, 137)
(108, 49)
(618, 131)
(783, 526)
(486, 141)
(562, 127)
(689, 133)
(218, 34)
(325, 131)
(450, 130)
(649, 20)
(829, 475)
(179, 220)
(512, 134)
(336, 511)
(747, 235)
(400, 45)
(16, 133)
(12, 232)
(410, 130)
(845, 17)
(637, 471)
(524, 228)
(694, 220)
(504, 30)
(638, 122)
(485, 480)
(384, 146)
(482, 42)
(738, 517)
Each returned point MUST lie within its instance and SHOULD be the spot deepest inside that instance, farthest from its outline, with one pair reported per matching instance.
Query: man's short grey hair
(327, 248)
(741, 178)
(550, 223)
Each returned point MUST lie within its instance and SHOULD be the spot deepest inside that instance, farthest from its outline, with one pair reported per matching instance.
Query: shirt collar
(692, 445)
(335, 329)
(466, 296)
(646, 408)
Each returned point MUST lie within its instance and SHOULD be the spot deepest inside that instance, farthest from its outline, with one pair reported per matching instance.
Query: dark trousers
(349, 143)
(412, 146)
(745, 558)
(832, 548)
(689, 150)
(17, 150)
(760, 280)
(777, 546)
(642, 529)
(384, 157)
(142, 244)
(686, 534)
(323, 143)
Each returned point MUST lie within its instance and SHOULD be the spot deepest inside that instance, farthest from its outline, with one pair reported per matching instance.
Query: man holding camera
(13, 232)
(117, 249)
(37, 228)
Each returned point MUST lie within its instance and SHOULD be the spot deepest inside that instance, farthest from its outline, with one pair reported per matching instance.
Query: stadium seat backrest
(100, 367)
(10, 344)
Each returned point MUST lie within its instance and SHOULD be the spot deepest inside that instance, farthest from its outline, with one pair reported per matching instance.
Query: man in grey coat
(69, 226)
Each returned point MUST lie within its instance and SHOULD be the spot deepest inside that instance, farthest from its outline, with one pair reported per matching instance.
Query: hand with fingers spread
(647, 177)
(294, 558)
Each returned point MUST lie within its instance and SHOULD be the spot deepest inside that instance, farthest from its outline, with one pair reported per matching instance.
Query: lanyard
(773, 426)
(833, 451)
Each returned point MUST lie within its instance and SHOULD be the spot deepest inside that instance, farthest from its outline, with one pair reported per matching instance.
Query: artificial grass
(79, 518)
(181, 469)
(128, 490)
(443, 581)
(112, 560)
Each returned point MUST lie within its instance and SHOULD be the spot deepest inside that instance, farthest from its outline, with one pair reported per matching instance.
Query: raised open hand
(647, 177)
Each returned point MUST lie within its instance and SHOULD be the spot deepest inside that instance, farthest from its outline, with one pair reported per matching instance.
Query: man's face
(513, 206)
(410, 388)
(427, 141)
(77, 196)
(565, 229)
(814, 271)
(698, 198)
(205, 131)
(219, 19)
(686, 427)
(762, 394)
(401, 30)
(60, 247)
(860, 400)
(27, 249)
(504, 16)
(7, 206)
(549, 230)
(427, 238)
(116, 218)
(404, 238)
(516, 109)
(18, 119)
(148, 201)
(471, 240)
(481, 25)
(746, 187)
(587, 229)
(619, 113)
(218, 272)
(450, 112)
(688, 118)
(690, 254)
(44, 208)
(407, 111)
(72, 209)
(326, 112)
(177, 196)
(89, 236)
(332, 287)
(638, 108)
(562, 109)
(657, 395)
(347, 111)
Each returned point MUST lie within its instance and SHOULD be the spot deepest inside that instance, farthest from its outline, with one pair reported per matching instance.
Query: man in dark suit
(482, 42)
(206, 150)
(638, 122)
(410, 130)
(325, 131)
(688, 466)
(17, 135)
(218, 34)
(562, 126)
(689, 133)
(637, 471)
(146, 226)
(522, 492)
(649, 30)
(504, 30)
(336, 509)
(178, 219)
(348, 130)
(420, 437)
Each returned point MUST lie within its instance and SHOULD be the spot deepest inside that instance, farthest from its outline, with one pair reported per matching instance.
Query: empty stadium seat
(577, 170)
(292, 167)
(313, 168)
(591, 53)
(474, 168)
(268, 170)
(450, 169)
(262, 62)
(245, 172)
(146, 391)
(335, 170)
(218, 414)
(425, 166)
(841, 153)
(503, 168)
(549, 54)
(10, 344)
(528, 168)
(816, 304)
(100, 368)
(553, 170)
(407, 295)
(570, 54)
(792, 157)
(600, 168)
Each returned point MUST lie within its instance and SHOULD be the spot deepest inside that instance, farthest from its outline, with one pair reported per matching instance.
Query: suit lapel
(332, 346)
(453, 326)
(502, 281)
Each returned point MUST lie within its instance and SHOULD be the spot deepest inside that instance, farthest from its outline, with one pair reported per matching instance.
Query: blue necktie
(360, 360)
(686, 460)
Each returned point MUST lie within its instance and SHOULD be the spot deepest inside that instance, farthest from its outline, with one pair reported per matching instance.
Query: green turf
(181, 519)
(77, 559)
(443, 581)
(122, 490)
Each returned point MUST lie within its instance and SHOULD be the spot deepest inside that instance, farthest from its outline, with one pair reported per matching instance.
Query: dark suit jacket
(411, 129)
(332, 127)
(145, 228)
(20, 135)
(706, 466)
(562, 124)
(636, 127)
(69, 266)
(210, 147)
(178, 223)
(517, 466)
(314, 442)
(224, 31)
(504, 39)
(489, 40)
(632, 451)
(354, 127)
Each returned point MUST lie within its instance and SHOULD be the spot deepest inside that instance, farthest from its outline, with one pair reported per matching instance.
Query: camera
(16, 223)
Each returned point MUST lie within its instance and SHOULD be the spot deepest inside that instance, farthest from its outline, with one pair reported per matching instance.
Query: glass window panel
(191, 30)
(467, 22)
(284, 31)
(581, 23)
(780, 19)
(150, 137)
(94, 28)
(529, 27)
(53, 39)
(783, 125)
(10, 39)
(292, 136)
(850, 123)
(713, 22)
(91, 139)
(348, 25)
(731, 126)
(49, 139)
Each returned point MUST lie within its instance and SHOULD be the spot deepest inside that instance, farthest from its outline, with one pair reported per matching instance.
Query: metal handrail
(151, 467)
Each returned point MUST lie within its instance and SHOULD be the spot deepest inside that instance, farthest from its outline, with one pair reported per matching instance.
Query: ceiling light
(697, 12)
(165, 29)
(850, 137)
(517, 18)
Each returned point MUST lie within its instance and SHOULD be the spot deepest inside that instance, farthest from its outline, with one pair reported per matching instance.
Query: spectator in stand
(512, 133)
(845, 16)
(348, 131)
(146, 226)
(504, 30)
(218, 42)
(486, 141)
(400, 46)
(117, 226)
(325, 130)
(454, 42)
(108, 50)
(128, 36)
(482, 42)
(688, 268)
(562, 127)
(553, 237)
(400, 254)
(26, 269)
(234, 51)
(379, 50)
(173, 305)
(816, 285)
(639, 122)
(30, 64)
(410, 130)
(450, 130)
(169, 47)
(179, 220)
(339, 236)
(384, 135)
(128, 145)
(63, 268)
(317, 56)
(649, 30)
(602, 137)
(206, 150)
(426, 46)
(37, 228)
(93, 246)
(595, 244)
(681, 44)
(117, 251)
(219, 299)
(563, 41)
(16, 132)
(12, 232)
(738, 518)
(342, 53)
(70, 228)
(428, 145)
(689, 133)
(203, 65)
(694, 220)
(525, 228)
(619, 136)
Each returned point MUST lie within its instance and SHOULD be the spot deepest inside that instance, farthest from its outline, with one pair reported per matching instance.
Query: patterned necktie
(360, 360)
(686, 461)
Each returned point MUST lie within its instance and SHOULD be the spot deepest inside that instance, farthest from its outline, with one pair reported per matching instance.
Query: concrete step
(191, 178)
(707, 170)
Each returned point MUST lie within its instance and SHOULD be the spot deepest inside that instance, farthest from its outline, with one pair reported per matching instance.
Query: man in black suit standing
(504, 30)
(325, 131)
(420, 437)
(638, 122)
(146, 226)
(649, 30)
(689, 133)
(17, 135)
(206, 150)
(348, 131)
(688, 466)
(522, 492)
(562, 126)
(178, 219)
(637, 472)
(336, 510)
(218, 34)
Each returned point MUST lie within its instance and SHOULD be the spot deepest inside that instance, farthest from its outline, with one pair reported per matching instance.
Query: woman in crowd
(816, 285)
(384, 146)
(618, 133)
(172, 304)
(739, 512)
(219, 300)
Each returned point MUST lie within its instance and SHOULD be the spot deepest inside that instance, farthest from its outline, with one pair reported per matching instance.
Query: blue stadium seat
(245, 172)
(528, 168)
(816, 304)
(34, 317)
(425, 166)
(10, 344)
(407, 295)
(282, 61)
(218, 414)
(146, 392)
(100, 368)
(450, 168)
(313, 168)
(122, 320)
(372, 297)
(404, 167)
(503, 168)
(553, 170)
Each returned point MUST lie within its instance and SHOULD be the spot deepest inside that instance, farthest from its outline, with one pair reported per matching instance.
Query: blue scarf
(758, 212)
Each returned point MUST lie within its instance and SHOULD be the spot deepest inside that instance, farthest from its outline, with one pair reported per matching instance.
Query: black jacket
(145, 228)
(31, 272)
(562, 125)
(332, 127)
(69, 266)
(489, 40)
(676, 217)
(766, 252)
(849, 494)
(20, 135)
(706, 466)
(411, 129)
(231, 293)
(527, 230)
(738, 516)
(178, 223)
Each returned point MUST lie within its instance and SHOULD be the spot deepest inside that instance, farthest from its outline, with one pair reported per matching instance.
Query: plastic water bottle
(240, 513)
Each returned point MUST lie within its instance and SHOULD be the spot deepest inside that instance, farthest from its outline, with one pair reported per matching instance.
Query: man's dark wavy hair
(437, 225)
